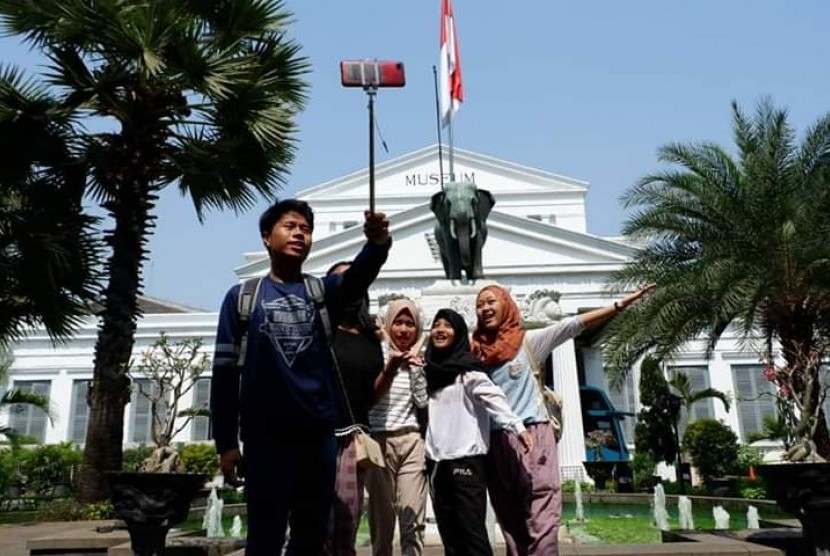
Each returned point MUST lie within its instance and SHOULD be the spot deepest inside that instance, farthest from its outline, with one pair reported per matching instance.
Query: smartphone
(372, 73)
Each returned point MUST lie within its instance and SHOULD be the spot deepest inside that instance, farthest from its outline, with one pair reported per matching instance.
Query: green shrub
(133, 457)
(653, 431)
(232, 496)
(44, 466)
(570, 486)
(713, 447)
(754, 492)
(65, 509)
(199, 458)
(642, 466)
(748, 456)
(8, 470)
(689, 490)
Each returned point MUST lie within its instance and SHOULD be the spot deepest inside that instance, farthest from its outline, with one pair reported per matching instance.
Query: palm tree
(14, 397)
(48, 248)
(682, 385)
(203, 95)
(739, 242)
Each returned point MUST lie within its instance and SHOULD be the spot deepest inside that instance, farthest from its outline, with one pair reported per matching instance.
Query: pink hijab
(395, 308)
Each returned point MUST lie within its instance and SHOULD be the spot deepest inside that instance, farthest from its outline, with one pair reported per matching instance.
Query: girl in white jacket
(462, 400)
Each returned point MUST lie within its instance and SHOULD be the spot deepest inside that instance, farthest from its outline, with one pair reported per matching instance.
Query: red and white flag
(452, 92)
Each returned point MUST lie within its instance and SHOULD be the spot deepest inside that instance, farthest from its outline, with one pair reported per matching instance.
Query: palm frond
(14, 397)
(730, 242)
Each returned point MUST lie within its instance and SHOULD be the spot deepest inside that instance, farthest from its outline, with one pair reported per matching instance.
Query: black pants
(289, 482)
(459, 498)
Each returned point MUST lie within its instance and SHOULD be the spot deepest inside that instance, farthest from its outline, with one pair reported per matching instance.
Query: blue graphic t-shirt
(288, 386)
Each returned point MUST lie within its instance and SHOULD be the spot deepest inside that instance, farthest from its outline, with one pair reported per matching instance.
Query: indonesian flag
(452, 93)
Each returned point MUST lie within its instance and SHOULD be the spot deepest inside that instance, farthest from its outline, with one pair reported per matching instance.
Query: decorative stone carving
(465, 306)
(542, 306)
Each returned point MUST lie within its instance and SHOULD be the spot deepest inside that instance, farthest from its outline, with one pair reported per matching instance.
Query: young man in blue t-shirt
(281, 402)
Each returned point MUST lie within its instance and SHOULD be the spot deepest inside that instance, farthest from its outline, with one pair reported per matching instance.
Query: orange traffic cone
(752, 475)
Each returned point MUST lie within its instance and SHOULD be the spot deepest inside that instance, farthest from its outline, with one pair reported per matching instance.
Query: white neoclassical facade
(538, 246)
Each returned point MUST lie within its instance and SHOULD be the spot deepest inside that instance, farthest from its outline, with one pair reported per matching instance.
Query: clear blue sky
(584, 89)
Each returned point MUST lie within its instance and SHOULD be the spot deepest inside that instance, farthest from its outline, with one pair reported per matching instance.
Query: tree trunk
(104, 436)
(131, 210)
(803, 359)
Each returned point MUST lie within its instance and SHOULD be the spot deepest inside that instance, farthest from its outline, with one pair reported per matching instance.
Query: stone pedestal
(803, 489)
(151, 503)
(458, 296)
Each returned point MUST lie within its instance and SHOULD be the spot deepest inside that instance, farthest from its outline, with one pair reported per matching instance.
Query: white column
(60, 401)
(566, 380)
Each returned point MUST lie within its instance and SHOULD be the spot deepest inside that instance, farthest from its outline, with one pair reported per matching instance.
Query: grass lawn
(634, 524)
(227, 521)
(17, 517)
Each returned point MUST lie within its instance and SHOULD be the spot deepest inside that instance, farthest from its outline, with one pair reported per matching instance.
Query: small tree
(653, 433)
(682, 386)
(170, 370)
(713, 447)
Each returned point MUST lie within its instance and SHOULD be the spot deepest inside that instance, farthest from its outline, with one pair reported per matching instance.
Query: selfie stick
(370, 75)
(371, 91)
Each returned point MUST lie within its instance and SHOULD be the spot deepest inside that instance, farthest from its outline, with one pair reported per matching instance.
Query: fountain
(752, 521)
(212, 521)
(580, 509)
(721, 517)
(661, 516)
(236, 526)
(684, 512)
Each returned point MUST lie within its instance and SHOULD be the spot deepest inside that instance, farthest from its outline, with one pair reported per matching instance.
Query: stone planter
(803, 489)
(151, 503)
(722, 487)
(599, 471)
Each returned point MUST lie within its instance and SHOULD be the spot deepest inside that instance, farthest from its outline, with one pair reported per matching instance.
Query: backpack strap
(314, 286)
(552, 401)
(248, 293)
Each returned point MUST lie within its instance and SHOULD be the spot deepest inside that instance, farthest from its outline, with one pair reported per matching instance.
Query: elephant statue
(461, 210)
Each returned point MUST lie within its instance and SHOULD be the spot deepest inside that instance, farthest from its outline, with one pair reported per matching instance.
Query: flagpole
(450, 141)
(451, 90)
(438, 127)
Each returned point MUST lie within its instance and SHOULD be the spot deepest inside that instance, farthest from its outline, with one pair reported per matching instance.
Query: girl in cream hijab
(399, 490)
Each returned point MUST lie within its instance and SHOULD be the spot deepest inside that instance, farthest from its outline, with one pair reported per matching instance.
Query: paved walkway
(13, 538)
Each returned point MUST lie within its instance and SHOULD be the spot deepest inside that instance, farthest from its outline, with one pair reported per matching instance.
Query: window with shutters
(27, 419)
(200, 426)
(755, 399)
(141, 413)
(701, 409)
(79, 411)
(625, 400)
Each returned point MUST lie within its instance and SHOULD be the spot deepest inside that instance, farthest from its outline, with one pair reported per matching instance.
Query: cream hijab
(395, 308)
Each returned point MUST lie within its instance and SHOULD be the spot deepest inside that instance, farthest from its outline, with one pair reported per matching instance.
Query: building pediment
(514, 245)
(418, 175)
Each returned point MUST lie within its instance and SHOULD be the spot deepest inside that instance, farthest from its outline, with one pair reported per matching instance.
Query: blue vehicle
(598, 413)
